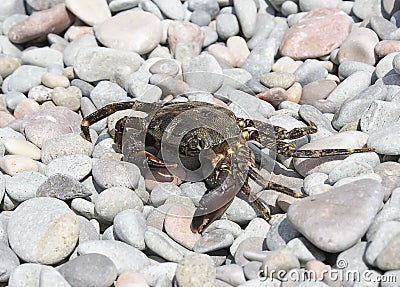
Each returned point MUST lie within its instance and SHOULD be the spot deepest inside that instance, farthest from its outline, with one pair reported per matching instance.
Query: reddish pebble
(131, 279)
(316, 34)
(74, 32)
(316, 269)
(274, 96)
(177, 225)
(238, 48)
(222, 53)
(38, 25)
(25, 107)
(5, 118)
(386, 47)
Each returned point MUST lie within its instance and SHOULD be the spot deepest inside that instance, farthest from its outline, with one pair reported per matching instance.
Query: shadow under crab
(206, 142)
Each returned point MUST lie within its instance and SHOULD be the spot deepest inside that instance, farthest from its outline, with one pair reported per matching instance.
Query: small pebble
(129, 227)
(62, 187)
(199, 264)
(22, 147)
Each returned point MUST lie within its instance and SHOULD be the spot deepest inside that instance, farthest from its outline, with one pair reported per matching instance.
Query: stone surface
(199, 264)
(317, 34)
(141, 32)
(246, 13)
(337, 211)
(76, 166)
(384, 140)
(84, 11)
(8, 263)
(43, 230)
(24, 185)
(62, 187)
(213, 240)
(129, 227)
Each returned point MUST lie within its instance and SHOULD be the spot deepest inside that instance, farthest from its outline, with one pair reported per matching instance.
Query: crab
(190, 135)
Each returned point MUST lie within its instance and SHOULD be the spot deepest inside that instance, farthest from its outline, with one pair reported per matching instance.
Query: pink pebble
(317, 269)
(131, 279)
(5, 118)
(25, 107)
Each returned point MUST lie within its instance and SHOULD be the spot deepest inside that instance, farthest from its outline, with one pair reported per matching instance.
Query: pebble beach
(74, 214)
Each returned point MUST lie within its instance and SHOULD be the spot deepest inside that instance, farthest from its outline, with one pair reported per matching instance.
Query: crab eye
(196, 144)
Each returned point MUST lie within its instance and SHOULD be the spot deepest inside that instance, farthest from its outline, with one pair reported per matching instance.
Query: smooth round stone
(89, 270)
(42, 57)
(348, 68)
(277, 79)
(25, 107)
(24, 185)
(49, 123)
(239, 211)
(39, 219)
(282, 259)
(274, 96)
(53, 80)
(289, 8)
(385, 140)
(222, 53)
(280, 233)
(386, 47)
(8, 65)
(385, 65)
(382, 27)
(5, 118)
(69, 98)
(141, 32)
(204, 73)
(100, 63)
(305, 251)
(310, 71)
(387, 260)
(77, 166)
(163, 245)
(210, 36)
(107, 92)
(113, 200)
(362, 39)
(8, 263)
(227, 25)
(62, 187)
(83, 86)
(8, 8)
(348, 139)
(231, 274)
(321, 30)
(72, 49)
(286, 64)
(124, 256)
(22, 147)
(177, 225)
(200, 17)
(24, 78)
(247, 14)
(213, 240)
(12, 99)
(318, 90)
(199, 264)
(209, 6)
(315, 183)
(231, 226)
(349, 168)
(27, 274)
(354, 202)
(38, 25)
(162, 191)
(307, 6)
(109, 173)
(84, 11)
(248, 245)
(365, 8)
(40, 94)
(129, 278)
(13, 164)
(396, 64)
(165, 66)
(173, 9)
(238, 48)
(378, 115)
(160, 274)
(129, 227)
(63, 145)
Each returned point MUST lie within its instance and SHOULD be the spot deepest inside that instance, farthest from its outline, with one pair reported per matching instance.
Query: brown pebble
(38, 25)
(25, 107)
(274, 96)
(386, 47)
(5, 118)
(294, 93)
(318, 269)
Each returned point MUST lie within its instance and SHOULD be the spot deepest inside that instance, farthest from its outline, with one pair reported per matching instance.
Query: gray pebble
(354, 202)
(199, 264)
(63, 187)
(261, 58)
(9, 48)
(385, 65)
(382, 27)
(264, 25)
(282, 259)
(124, 256)
(109, 172)
(89, 270)
(13, 99)
(162, 191)
(349, 168)
(76, 166)
(24, 185)
(24, 78)
(129, 227)
(240, 211)
(87, 230)
(236, 78)
(378, 115)
(347, 180)
(9, 261)
(204, 73)
(289, 7)
(26, 274)
(310, 71)
(231, 274)
(227, 26)
(107, 92)
(119, 5)
(347, 68)
(304, 250)
(210, 36)
(113, 200)
(277, 79)
(395, 275)
(173, 9)
(169, 85)
(194, 191)
(385, 140)
(213, 240)
(165, 66)
(388, 259)
(99, 63)
(252, 270)
(363, 8)
(42, 57)
(280, 233)
(200, 18)
(85, 87)
(63, 145)
(38, 217)
(354, 258)
(83, 207)
(160, 274)
(11, 7)
(231, 226)
(72, 49)
(247, 15)
(210, 6)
